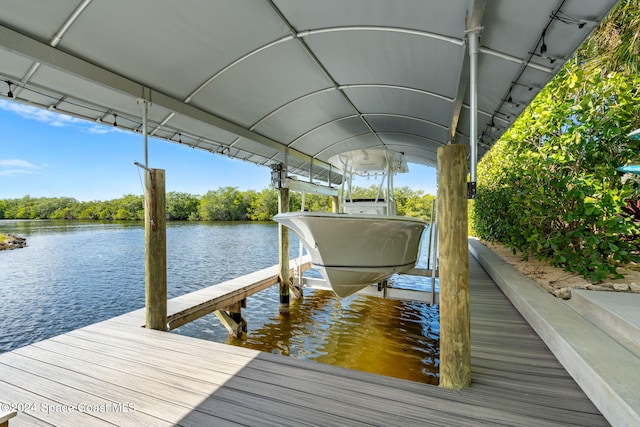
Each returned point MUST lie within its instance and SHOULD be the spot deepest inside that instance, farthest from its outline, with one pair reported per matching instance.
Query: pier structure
(117, 372)
(301, 86)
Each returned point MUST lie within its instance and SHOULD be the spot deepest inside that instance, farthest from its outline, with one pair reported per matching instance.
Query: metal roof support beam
(434, 36)
(55, 40)
(23, 45)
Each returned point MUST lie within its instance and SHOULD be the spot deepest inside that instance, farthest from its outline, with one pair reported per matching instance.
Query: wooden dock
(117, 373)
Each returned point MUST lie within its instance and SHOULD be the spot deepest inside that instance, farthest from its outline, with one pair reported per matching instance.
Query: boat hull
(355, 251)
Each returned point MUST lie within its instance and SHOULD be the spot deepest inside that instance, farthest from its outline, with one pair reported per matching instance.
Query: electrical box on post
(278, 176)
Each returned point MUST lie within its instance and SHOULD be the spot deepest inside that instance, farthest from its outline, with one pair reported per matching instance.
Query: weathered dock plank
(170, 379)
(605, 369)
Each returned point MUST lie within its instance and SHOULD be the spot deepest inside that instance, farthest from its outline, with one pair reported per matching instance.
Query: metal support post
(434, 263)
(145, 131)
(473, 37)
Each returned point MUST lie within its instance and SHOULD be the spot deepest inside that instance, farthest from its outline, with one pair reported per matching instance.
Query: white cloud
(53, 118)
(13, 167)
(15, 172)
(39, 114)
(100, 129)
(18, 163)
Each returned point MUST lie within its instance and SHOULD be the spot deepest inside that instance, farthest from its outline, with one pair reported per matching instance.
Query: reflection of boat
(363, 245)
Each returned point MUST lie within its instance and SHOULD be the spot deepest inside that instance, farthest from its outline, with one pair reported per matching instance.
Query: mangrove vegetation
(549, 187)
(223, 204)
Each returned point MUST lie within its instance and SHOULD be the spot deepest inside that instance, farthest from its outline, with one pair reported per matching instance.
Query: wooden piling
(335, 204)
(283, 251)
(155, 237)
(455, 339)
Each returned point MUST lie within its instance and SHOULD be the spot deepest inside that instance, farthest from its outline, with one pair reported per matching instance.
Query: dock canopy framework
(269, 81)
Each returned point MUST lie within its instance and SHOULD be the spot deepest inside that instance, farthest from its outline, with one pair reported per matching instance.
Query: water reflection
(74, 273)
(393, 338)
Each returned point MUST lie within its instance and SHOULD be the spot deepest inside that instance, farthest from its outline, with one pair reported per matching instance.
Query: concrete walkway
(617, 313)
(595, 335)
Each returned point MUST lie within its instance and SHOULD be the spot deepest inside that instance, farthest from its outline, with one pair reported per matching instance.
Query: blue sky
(46, 154)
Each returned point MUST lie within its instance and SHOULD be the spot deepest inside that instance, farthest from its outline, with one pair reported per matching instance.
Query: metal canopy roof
(255, 79)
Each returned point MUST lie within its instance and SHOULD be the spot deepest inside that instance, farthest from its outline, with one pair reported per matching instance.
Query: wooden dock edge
(264, 279)
(182, 317)
(5, 417)
(194, 305)
(607, 372)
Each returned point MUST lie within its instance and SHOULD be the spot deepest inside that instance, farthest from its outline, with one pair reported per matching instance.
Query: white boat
(364, 244)
(352, 251)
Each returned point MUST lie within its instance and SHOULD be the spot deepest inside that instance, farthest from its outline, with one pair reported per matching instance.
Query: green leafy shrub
(549, 187)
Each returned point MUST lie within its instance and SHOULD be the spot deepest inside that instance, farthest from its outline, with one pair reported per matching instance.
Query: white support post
(434, 264)
(283, 252)
(391, 210)
(145, 131)
(473, 37)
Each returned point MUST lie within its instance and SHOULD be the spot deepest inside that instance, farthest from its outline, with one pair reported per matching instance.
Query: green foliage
(129, 207)
(182, 206)
(616, 45)
(471, 209)
(414, 203)
(264, 205)
(223, 204)
(549, 188)
(312, 202)
(370, 192)
(409, 202)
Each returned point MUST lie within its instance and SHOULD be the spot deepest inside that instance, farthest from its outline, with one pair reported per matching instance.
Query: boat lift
(383, 289)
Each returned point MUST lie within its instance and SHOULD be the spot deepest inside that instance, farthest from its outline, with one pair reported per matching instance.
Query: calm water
(76, 273)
